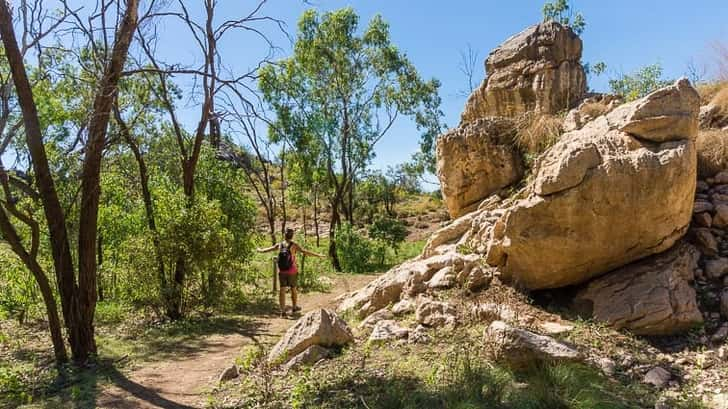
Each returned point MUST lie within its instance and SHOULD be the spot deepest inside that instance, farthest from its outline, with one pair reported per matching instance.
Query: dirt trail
(181, 381)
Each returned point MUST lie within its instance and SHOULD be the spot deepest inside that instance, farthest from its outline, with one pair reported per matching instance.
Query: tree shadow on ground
(140, 393)
(192, 336)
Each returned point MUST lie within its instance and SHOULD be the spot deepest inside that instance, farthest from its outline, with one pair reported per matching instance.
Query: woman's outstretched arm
(267, 249)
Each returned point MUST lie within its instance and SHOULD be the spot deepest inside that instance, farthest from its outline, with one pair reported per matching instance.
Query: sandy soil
(182, 381)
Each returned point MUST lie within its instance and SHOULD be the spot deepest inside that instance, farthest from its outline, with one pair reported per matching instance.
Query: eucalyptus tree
(75, 271)
(339, 94)
(222, 96)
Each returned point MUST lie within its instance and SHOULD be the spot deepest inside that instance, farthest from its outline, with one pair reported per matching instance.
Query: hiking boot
(296, 309)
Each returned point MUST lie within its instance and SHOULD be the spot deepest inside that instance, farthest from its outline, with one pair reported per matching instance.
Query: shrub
(19, 297)
(354, 250)
(640, 83)
(388, 230)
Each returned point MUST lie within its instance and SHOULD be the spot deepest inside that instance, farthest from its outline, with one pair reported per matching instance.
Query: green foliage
(19, 296)
(339, 94)
(355, 250)
(213, 234)
(561, 12)
(390, 231)
(643, 81)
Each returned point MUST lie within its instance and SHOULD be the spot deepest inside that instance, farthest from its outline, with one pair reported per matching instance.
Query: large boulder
(476, 160)
(620, 189)
(650, 297)
(320, 327)
(537, 70)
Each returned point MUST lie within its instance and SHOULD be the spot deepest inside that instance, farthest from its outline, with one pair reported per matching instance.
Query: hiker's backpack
(285, 260)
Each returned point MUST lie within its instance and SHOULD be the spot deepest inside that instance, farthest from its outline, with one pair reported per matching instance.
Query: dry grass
(721, 99)
(536, 133)
(708, 90)
(712, 152)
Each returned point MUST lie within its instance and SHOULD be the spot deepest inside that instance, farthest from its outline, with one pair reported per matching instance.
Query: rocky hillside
(611, 226)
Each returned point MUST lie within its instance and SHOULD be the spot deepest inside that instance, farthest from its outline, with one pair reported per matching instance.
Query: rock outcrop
(537, 70)
(475, 160)
(320, 327)
(618, 190)
(407, 281)
(653, 296)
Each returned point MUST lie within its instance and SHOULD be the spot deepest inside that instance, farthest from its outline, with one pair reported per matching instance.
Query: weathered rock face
(536, 70)
(475, 160)
(618, 190)
(650, 297)
(320, 327)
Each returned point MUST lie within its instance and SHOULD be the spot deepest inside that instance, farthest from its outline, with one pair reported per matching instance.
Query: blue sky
(624, 34)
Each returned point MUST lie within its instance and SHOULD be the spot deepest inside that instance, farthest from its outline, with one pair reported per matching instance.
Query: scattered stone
(419, 335)
(435, 313)
(702, 206)
(607, 366)
(375, 317)
(445, 278)
(556, 328)
(720, 219)
(724, 303)
(493, 312)
(705, 241)
(319, 327)
(518, 346)
(476, 278)
(716, 268)
(405, 306)
(405, 280)
(703, 219)
(309, 356)
(552, 238)
(658, 377)
(228, 374)
(650, 297)
(388, 330)
(702, 186)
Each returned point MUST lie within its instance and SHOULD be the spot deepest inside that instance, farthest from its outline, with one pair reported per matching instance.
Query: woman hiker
(287, 269)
